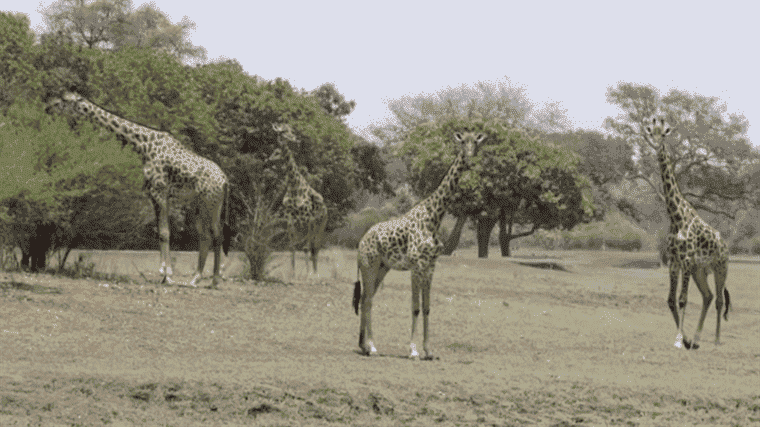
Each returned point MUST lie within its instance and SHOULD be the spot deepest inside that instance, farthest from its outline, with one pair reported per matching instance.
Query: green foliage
(614, 232)
(356, 225)
(70, 178)
(16, 68)
(539, 182)
(499, 101)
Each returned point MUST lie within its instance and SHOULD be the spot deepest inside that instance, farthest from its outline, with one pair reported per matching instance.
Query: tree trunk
(453, 241)
(485, 226)
(505, 233)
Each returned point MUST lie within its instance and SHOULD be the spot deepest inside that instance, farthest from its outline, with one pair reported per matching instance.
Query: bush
(357, 224)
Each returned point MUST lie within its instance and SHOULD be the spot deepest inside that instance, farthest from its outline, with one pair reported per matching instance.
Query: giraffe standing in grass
(411, 242)
(693, 247)
(167, 164)
(304, 208)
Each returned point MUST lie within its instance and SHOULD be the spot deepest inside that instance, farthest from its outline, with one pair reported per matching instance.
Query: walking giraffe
(167, 164)
(304, 208)
(411, 242)
(694, 247)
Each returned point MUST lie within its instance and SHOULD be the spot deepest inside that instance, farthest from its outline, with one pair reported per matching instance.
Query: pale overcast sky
(567, 52)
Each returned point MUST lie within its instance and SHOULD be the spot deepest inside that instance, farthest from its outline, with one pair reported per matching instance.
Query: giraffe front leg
(672, 303)
(162, 218)
(700, 278)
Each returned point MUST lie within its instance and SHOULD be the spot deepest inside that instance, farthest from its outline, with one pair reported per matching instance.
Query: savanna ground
(592, 345)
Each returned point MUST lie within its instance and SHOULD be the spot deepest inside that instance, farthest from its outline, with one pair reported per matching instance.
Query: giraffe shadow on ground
(545, 265)
(396, 356)
(37, 289)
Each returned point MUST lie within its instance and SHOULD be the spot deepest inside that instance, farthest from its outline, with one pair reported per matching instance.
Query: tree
(16, 60)
(484, 100)
(114, 24)
(514, 179)
(88, 23)
(45, 168)
(332, 101)
(712, 157)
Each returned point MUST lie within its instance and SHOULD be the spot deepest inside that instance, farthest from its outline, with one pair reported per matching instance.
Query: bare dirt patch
(516, 345)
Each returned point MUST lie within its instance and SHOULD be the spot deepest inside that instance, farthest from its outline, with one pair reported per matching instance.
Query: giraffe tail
(357, 290)
(728, 303)
(226, 230)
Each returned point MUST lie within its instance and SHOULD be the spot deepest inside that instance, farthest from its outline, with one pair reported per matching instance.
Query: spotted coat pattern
(168, 166)
(694, 248)
(411, 242)
(302, 206)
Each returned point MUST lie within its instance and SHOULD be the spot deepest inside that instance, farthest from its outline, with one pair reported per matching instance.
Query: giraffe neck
(141, 138)
(294, 179)
(441, 197)
(680, 211)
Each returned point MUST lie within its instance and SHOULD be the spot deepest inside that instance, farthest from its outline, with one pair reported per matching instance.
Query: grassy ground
(592, 345)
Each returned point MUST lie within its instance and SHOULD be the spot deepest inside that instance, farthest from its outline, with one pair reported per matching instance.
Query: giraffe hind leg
(700, 277)
(721, 291)
(373, 276)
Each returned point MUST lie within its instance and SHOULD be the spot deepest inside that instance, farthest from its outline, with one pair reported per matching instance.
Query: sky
(566, 52)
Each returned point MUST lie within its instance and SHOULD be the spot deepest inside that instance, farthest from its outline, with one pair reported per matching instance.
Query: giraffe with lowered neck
(303, 207)
(167, 164)
(694, 247)
(411, 242)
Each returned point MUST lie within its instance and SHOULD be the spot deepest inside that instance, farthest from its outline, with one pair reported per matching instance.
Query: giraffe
(693, 247)
(303, 207)
(167, 164)
(411, 242)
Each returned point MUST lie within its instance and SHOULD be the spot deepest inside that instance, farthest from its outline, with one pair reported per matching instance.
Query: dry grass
(517, 344)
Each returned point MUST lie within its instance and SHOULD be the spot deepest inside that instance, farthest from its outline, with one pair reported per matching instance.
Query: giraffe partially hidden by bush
(694, 247)
(411, 242)
(168, 164)
(303, 207)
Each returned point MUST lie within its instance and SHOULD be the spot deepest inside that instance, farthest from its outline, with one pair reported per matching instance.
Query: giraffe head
(655, 133)
(67, 102)
(469, 143)
(284, 134)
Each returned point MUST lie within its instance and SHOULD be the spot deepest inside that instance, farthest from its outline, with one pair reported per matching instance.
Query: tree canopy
(514, 178)
(712, 158)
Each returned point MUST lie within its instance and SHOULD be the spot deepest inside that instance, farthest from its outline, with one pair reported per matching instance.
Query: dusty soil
(517, 344)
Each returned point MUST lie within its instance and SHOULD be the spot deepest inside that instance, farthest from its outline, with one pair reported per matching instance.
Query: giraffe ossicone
(695, 249)
(411, 242)
(303, 207)
(167, 164)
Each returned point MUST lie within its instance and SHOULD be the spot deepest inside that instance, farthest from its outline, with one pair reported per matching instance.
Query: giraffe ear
(480, 138)
(458, 136)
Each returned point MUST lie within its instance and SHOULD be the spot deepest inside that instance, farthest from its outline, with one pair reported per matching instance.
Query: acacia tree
(514, 179)
(712, 158)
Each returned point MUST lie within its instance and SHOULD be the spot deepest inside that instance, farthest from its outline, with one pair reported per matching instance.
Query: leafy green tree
(514, 179)
(484, 100)
(46, 169)
(17, 71)
(332, 101)
(115, 24)
(712, 157)
(89, 23)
